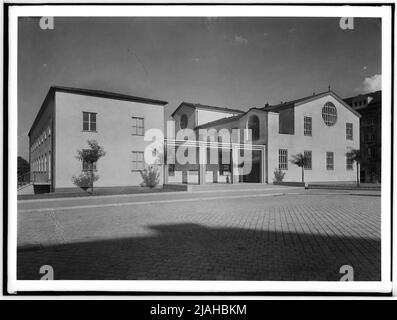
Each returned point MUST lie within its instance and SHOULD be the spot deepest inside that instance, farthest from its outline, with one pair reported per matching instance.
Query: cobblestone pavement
(303, 236)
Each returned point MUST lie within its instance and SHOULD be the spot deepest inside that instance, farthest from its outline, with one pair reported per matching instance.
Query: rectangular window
(86, 166)
(371, 153)
(308, 160)
(138, 126)
(286, 120)
(349, 131)
(349, 161)
(283, 159)
(138, 161)
(307, 125)
(330, 161)
(89, 121)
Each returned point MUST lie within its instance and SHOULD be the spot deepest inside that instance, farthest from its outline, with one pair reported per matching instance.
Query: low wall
(177, 187)
(292, 184)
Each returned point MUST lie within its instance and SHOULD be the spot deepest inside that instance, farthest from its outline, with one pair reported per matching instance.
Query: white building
(69, 117)
(322, 127)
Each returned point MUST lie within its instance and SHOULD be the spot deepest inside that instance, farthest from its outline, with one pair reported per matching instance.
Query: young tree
(300, 160)
(357, 157)
(91, 156)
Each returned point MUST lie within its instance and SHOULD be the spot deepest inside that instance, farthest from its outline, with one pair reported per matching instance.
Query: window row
(42, 163)
(368, 122)
(369, 138)
(137, 162)
(307, 160)
(41, 139)
(90, 124)
(359, 103)
(308, 125)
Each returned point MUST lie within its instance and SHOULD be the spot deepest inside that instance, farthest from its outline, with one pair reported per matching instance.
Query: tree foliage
(278, 175)
(90, 156)
(300, 160)
(150, 176)
(357, 156)
(85, 180)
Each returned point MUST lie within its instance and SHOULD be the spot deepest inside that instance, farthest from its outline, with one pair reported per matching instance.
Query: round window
(183, 122)
(329, 114)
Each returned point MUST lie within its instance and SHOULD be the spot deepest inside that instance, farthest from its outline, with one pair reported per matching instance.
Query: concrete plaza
(257, 233)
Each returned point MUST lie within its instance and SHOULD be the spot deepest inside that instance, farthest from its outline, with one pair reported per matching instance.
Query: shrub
(90, 157)
(278, 175)
(85, 180)
(150, 176)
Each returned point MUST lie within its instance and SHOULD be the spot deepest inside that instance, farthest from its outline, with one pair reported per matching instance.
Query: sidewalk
(98, 191)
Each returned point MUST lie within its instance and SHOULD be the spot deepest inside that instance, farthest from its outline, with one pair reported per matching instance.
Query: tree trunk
(303, 175)
(92, 177)
(358, 177)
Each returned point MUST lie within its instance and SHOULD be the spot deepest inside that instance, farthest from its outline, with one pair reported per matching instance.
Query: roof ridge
(296, 100)
(219, 121)
(108, 94)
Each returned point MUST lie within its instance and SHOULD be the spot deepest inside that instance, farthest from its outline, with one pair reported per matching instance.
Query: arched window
(253, 124)
(329, 114)
(183, 122)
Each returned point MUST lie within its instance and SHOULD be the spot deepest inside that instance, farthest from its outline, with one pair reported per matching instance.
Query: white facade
(58, 132)
(323, 139)
(113, 131)
(331, 139)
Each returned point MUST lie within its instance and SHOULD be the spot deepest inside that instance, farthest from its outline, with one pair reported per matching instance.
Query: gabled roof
(207, 107)
(297, 102)
(227, 119)
(219, 121)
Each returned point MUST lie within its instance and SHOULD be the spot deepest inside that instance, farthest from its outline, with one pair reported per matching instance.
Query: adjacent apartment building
(370, 107)
(69, 117)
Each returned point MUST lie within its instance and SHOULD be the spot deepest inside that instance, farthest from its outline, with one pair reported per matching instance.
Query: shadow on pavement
(197, 252)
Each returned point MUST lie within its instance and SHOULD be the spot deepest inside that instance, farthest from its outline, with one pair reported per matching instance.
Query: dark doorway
(254, 176)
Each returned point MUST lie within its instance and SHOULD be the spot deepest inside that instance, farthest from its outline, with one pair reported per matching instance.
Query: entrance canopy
(199, 162)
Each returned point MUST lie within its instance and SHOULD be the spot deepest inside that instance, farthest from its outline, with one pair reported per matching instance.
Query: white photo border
(211, 287)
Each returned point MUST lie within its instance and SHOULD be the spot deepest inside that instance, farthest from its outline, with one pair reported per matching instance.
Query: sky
(228, 62)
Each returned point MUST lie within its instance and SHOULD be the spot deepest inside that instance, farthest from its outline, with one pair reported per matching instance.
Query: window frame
(137, 127)
(253, 124)
(306, 165)
(349, 166)
(349, 131)
(306, 123)
(328, 116)
(283, 155)
(90, 122)
(183, 116)
(328, 165)
(133, 161)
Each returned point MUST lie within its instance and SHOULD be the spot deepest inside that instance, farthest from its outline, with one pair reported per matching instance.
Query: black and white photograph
(200, 148)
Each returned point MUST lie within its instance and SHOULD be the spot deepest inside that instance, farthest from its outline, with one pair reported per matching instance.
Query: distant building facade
(370, 107)
(322, 127)
(69, 117)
